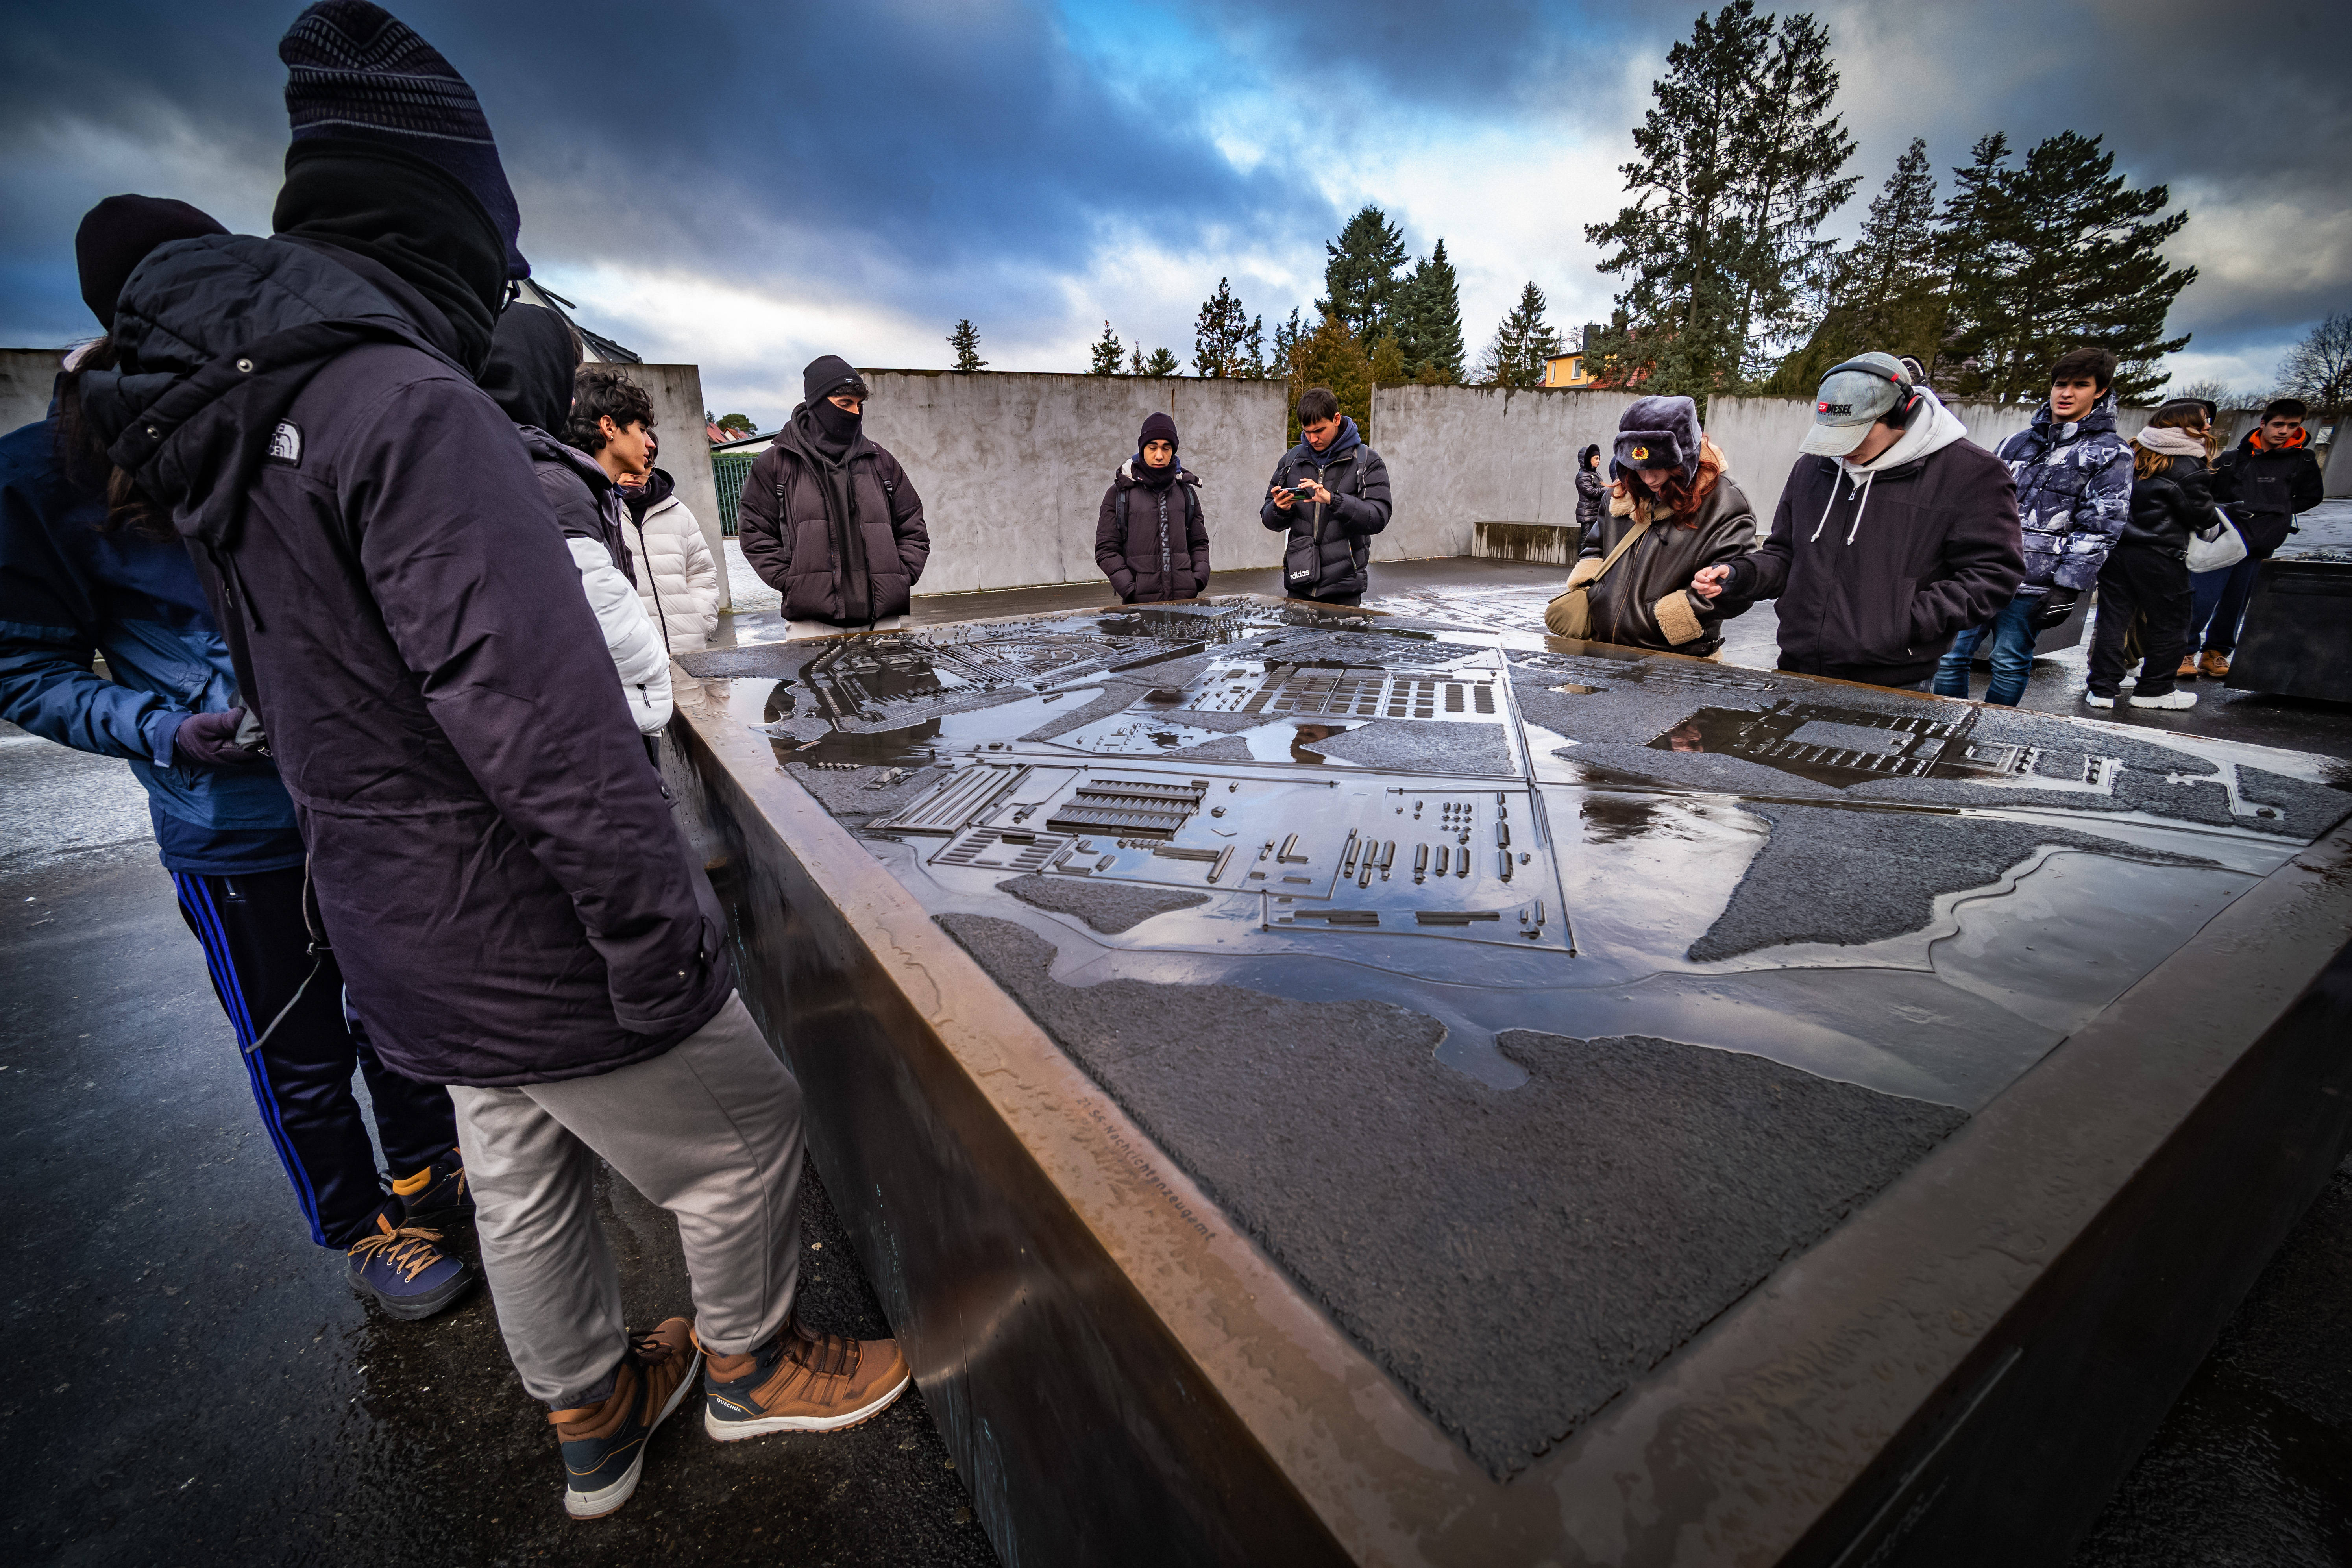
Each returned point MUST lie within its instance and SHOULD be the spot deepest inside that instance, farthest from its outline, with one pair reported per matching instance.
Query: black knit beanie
(1156, 427)
(116, 235)
(356, 72)
(829, 374)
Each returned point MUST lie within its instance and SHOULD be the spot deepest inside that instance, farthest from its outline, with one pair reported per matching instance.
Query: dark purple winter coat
(1156, 548)
(497, 868)
(793, 541)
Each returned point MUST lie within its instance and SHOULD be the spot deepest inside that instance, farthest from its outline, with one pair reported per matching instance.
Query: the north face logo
(286, 443)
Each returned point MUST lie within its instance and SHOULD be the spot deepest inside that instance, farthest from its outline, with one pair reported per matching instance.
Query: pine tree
(1106, 353)
(1287, 336)
(1885, 291)
(1360, 274)
(2054, 253)
(965, 341)
(1522, 344)
(1735, 167)
(1386, 362)
(1161, 363)
(1226, 343)
(1333, 356)
(1135, 361)
(1428, 320)
(2319, 368)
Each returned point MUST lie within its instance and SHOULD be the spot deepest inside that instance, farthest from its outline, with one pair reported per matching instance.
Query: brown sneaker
(2213, 665)
(800, 1381)
(605, 1444)
(2188, 670)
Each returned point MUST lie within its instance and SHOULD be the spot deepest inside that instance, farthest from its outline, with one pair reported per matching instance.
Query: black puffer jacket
(2170, 506)
(499, 874)
(586, 503)
(1163, 553)
(1591, 496)
(2266, 486)
(791, 540)
(1342, 531)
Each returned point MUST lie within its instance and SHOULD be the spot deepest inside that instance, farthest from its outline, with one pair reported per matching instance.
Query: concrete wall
(1760, 436)
(26, 378)
(1460, 455)
(677, 392)
(1012, 468)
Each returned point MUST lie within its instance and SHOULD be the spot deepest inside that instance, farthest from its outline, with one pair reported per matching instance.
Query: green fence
(727, 472)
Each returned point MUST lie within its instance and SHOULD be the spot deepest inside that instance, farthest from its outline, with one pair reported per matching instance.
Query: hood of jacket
(2254, 442)
(545, 449)
(530, 367)
(1345, 442)
(217, 336)
(1921, 438)
(648, 497)
(1131, 476)
(2049, 432)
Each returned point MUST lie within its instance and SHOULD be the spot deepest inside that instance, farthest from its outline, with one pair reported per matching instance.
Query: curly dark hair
(600, 392)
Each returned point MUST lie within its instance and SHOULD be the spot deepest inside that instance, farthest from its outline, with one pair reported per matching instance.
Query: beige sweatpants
(710, 1130)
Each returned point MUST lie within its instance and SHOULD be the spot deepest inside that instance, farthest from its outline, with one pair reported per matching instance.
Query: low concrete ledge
(1551, 544)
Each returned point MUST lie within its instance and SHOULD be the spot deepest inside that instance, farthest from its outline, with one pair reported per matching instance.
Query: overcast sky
(744, 186)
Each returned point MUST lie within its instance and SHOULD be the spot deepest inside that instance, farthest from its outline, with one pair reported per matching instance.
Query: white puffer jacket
(675, 575)
(629, 634)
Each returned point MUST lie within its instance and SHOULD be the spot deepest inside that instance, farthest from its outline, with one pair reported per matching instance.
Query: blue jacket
(67, 591)
(2073, 495)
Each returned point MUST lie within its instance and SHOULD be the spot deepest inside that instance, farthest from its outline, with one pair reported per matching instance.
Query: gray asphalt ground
(189, 1381)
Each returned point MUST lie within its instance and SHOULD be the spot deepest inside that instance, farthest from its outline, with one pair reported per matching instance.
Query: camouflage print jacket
(2073, 495)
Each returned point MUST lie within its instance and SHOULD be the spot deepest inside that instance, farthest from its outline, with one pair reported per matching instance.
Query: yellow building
(1566, 370)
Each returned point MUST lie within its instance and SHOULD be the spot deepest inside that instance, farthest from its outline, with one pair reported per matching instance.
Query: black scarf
(642, 498)
(530, 370)
(1154, 478)
(827, 435)
(416, 220)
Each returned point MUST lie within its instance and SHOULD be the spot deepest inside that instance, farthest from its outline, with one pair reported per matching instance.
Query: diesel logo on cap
(1834, 408)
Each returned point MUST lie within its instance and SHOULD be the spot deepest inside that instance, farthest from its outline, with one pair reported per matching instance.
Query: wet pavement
(190, 1381)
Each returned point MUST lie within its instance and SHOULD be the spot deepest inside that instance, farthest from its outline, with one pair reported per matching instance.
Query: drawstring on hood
(1932, 429)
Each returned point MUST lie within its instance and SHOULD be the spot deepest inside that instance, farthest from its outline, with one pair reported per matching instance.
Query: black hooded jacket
(2266, 486)
(1342, 531)
(497, 868)
(2170, 506)
(835, 527)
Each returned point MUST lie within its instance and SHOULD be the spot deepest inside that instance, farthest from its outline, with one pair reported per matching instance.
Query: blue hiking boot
(605, 1442)
(403, 1268)
(437, 1194)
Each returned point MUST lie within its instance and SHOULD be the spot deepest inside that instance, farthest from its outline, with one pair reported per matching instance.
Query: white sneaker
(2128, 681)
(2096, 701)
(2175, 699)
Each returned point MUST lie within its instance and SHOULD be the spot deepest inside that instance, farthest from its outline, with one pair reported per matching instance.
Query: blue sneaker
(437, 1193)
(605, 1442)
(403, 1268)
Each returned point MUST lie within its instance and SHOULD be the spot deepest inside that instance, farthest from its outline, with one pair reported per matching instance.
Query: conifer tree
(1135, 361)
(2053, 253)
(1735, 167)
(1333, 356)
(1522, 344)
(1427, 318)
(965, 341)
(1161, 363)
(1885, 291)
(1386, 362)
(1226, 342)
(1106, 353)
(1360, 277)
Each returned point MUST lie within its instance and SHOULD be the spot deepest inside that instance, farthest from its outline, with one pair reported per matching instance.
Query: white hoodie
(1932, 429)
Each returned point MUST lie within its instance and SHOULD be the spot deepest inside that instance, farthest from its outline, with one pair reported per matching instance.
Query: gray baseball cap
(1854, 397)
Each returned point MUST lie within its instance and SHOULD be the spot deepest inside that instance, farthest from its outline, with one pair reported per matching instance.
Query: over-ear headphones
(1899, 416)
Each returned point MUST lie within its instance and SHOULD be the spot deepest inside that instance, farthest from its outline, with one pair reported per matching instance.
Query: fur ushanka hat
(1657, 433)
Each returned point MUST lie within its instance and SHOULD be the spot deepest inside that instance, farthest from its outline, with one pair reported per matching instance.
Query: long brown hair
(1682, 497)
(81, 454)
(2146, 464)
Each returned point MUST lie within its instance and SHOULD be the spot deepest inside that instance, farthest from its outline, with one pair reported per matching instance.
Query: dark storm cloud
(981, 158)
(879, 149)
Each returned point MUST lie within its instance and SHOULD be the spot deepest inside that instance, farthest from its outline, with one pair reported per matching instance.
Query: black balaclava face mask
(838, 424)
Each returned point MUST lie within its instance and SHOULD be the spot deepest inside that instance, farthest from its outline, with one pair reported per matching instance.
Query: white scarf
(2172, 441)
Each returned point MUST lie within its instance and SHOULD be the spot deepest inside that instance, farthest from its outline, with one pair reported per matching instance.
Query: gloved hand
(2056, 605)
(209, 741)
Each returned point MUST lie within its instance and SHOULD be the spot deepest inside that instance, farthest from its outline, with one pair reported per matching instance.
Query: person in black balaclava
(1151, 539)
(829, 518)
(493, 864)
